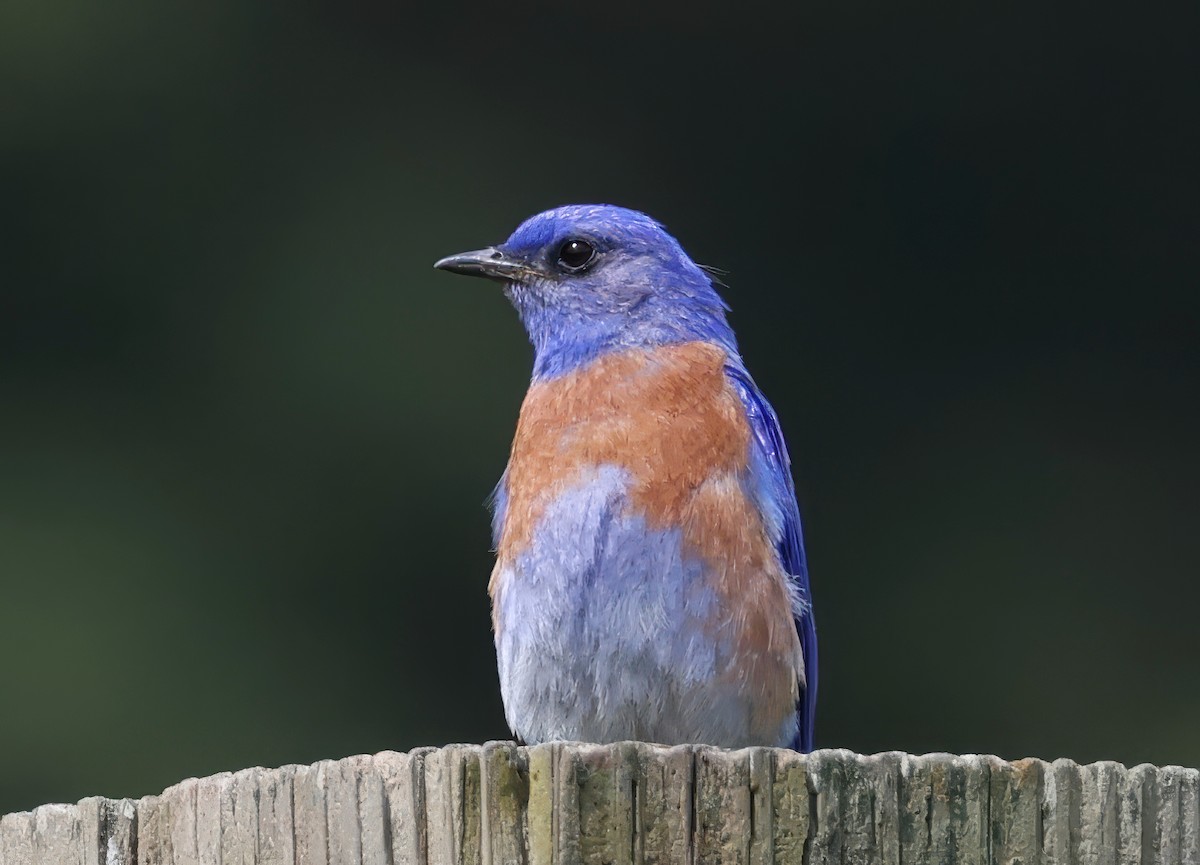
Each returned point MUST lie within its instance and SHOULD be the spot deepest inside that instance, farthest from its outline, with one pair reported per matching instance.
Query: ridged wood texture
(634, 803)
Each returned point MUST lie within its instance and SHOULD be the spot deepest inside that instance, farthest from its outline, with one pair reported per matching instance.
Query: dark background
(246, 431)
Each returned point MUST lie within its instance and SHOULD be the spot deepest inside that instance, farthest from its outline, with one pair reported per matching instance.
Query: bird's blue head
(588, 279)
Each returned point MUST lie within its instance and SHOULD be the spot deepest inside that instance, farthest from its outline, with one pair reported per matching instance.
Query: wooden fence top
(634, 803)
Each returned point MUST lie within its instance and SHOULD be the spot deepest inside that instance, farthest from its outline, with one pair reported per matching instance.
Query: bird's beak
(490, 263)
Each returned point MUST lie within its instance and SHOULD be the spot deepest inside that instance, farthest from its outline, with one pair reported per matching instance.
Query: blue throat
(565, 339)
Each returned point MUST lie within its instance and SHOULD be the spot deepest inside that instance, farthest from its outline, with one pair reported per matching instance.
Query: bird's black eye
(574, 255)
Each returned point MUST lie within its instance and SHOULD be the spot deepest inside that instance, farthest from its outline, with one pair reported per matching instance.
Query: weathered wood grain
(276, 831)
(308, 815)
(16, 839)
(634, 804)
(403, 780)
(1014, 811)
(790, 806)
(722, 805)
(665, 785)
(504, 792)
(452, 805)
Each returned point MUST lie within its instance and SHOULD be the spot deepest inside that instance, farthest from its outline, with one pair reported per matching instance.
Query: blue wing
(775, 493)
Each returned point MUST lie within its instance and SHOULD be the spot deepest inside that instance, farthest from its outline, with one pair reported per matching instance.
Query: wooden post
(634, 804)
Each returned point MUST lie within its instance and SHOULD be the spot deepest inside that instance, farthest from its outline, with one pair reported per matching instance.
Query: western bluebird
(650, 580)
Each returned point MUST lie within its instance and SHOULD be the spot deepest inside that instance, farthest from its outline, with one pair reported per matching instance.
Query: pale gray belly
(607, 632)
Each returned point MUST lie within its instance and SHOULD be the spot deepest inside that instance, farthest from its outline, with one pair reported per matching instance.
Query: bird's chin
(530, 292)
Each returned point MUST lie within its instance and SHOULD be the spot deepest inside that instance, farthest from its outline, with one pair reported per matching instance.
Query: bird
(650, 581)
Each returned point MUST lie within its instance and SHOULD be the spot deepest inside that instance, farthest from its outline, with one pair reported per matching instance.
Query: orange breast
(667, 416)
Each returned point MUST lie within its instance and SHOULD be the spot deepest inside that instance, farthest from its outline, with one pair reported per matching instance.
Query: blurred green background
(246, 431)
